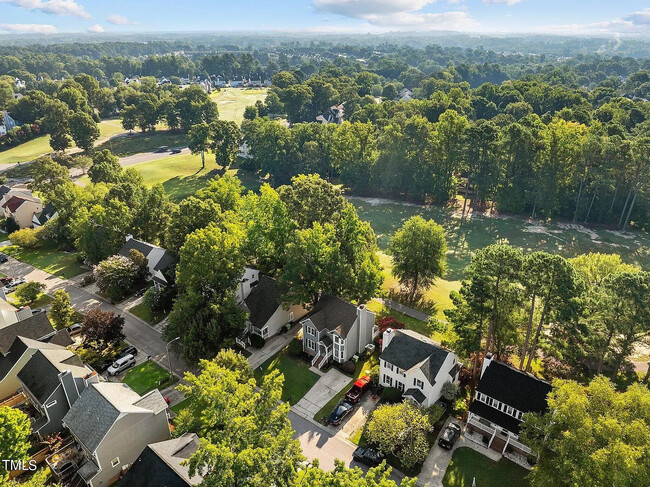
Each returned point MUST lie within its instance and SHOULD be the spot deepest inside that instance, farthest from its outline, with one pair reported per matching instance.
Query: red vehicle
(358, 389)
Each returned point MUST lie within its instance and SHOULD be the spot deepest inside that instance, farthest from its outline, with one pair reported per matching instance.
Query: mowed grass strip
(233, 101)
(467, 464)
(49, 259)
(298, 379)
(148, 376)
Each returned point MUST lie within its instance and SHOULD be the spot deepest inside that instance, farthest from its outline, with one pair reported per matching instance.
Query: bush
(295, 347)
(87, 280)
(115, 276)
(450, 391)
(257, 341)
(435, 412)
(28, 238)
(348, 367)
(29, 292)
(10, 225)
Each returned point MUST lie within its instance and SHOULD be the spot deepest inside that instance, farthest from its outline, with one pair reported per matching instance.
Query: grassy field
(147, 376)
(181, 405)
(233, 101)
(139, 142)
(41, 145)
(298, 379)
(143, 312)
(467, 464)
(49, 259)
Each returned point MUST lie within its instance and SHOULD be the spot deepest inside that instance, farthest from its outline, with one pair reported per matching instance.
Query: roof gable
(36, 327)
(333, 314)
(263, 301)
(408, 349)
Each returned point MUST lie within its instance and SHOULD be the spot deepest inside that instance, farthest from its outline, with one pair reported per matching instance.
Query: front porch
(496, 438)
(324, 353)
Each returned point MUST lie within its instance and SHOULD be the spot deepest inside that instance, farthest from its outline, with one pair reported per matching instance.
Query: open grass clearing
(467, 464)
(145, 313)
(233, 101)
(49, 259)
(138, 142)
(298, 379)
(148, 376)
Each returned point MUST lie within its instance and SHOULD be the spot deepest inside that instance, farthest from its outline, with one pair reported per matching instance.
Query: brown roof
(14, 203)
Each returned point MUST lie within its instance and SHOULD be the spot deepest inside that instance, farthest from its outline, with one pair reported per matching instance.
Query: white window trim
(311, 344)
(115, 462)
(49, 405)
(311, 330)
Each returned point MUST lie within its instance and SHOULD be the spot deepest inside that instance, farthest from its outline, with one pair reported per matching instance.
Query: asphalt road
(148, 156)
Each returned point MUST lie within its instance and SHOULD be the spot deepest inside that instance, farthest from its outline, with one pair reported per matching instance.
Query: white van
(120, 365)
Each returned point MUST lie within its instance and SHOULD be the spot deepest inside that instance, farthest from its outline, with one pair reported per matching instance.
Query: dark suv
(449, 436)
(370, 457)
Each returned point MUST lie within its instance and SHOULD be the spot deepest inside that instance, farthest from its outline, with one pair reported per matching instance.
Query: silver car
(121, 364)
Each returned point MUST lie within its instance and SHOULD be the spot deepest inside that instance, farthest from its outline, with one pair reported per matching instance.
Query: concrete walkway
(270, 348)
(413, 313)
(328, 386)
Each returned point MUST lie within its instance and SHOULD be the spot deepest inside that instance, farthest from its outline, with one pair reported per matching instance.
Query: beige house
(19, 204)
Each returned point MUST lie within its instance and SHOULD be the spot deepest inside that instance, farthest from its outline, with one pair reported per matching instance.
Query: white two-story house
(336, 330)
(416, 366)
(503, 395)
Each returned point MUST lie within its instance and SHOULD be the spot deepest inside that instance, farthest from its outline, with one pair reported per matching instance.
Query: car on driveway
(127, 351)
(3, 258)
(75, 329)
(6, 280)
(162, 148)
(340, 412)
(449, 436)
(103, 366)
(140, 292)
(121, 364)
(368, 456)
(358, 389)
(11, 287)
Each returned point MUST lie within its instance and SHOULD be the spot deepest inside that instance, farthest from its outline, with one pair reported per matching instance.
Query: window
(291, 316)
(311, 330)
(400, 386)
(388, 380)
(418, 383)
(53, 403)
(311, 344)
(265, 332)
(115, 462)
(510, 410)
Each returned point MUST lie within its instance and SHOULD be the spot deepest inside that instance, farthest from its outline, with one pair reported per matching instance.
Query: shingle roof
(408, 349)
(333, 314)
(518, 389)
(20, 346)
(47, 213)
(61, 337)
(416, 394)
(36, 327)
(14, 203)
(143, 247)
(166, 261)
(495, 416)
(263, 300)
(4, 189)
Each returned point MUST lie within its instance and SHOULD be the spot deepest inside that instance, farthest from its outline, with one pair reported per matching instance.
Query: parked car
(103, 366)
(3, 258)
(75, 329)
(449, 436)
(368, 456)
(121, 364)
(358, 389)
(162, 148)
(340, 412)
(175, 150)
(11, 287)
(6, 280)
(127, 351)
(141, 291)
(38, 310)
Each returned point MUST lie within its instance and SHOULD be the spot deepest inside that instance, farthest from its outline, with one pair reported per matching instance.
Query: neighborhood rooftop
(334, 314)
(263, 300)
(36, 327)
(408, 349)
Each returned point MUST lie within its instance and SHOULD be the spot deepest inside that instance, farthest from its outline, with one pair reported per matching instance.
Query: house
(19, 204)
(334, 114)
(405, 95)
(13, 359)
(40, 219)
(20, 84)
(52, 380)
(503, 395)
(132, 79)
(163, 464)
(110, 425)
(218, 81)
(266, 314)
(416, 366)
(237, 82)
(159, 260)
(7, 123)
(22, 322)
(206, 85)
(336, 330)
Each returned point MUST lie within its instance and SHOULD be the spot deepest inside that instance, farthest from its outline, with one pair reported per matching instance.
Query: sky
(327, 16)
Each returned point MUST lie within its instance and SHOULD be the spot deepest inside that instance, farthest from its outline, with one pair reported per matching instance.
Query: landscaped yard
(143, 312)
(49, 259)
(42, 301)
(298, 379)
(233, 101)
(148, 376)
(181, 405)
(467, 464)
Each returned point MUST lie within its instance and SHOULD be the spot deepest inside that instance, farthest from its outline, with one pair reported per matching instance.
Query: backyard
(298, 379)
(48, 258)
(233, 101)
(467, 464)
(148, 376)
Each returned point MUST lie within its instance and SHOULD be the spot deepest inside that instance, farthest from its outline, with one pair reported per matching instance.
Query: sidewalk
(413, 313)
(270, 348)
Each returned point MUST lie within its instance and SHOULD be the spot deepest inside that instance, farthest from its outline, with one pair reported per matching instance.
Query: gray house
(111, 425)
(159, 260)
(336, 330)
(52, 380)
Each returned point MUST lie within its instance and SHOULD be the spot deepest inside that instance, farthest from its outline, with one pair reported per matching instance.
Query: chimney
(24, 313)
(388, 336)
(487, 360)
(129, 237)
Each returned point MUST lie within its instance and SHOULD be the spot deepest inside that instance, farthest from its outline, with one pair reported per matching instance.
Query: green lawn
(298, 379)
(143, 312)
(49, 259)
(362, 369)
(3, 236)
(42, 301)
(139, 142)
(233, 101)
(147, 376)
(467, 464)
(181, 405)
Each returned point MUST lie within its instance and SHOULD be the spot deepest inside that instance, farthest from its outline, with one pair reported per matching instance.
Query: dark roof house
(36, 327)
(158, 259)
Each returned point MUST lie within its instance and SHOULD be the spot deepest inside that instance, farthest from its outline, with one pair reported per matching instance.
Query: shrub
(10, 225)
(295, 347)
(435, 412)
(348, 367)
(87, 280)
(389, 322)
(29, 292)
(450, 391)
(374, 374)
(28, 238)
(257, 341)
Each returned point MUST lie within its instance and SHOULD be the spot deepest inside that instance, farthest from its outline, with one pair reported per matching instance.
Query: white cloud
(361, 8)
(55, 7)
(96, 29)
(28, 28)
(497, 2)
(635, 22)
(422, 21)
(119, 20)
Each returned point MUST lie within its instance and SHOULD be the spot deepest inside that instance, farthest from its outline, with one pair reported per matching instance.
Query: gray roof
(133, 244)
(19, 347)
(61, 337)
(333, 314)
(100, 405)
(175, 451)
(36, 327)
(408, 349)
(166, 261)
(416, 394)
(263, 300)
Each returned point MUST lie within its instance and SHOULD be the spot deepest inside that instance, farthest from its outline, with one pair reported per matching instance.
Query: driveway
(146, 339)
(328, 386)
(360, 415)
